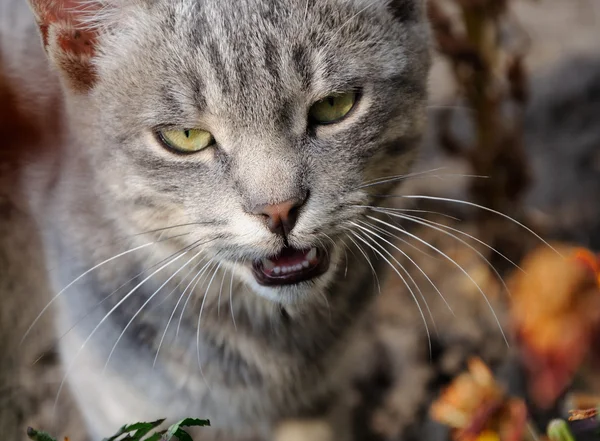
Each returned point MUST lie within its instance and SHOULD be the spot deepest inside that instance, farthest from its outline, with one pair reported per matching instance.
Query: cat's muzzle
(291, 266)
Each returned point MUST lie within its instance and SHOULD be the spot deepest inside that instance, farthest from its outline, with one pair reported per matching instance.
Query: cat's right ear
(69, 39)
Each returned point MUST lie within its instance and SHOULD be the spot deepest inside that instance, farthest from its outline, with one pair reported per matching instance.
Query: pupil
(187, 133)
(331, 100)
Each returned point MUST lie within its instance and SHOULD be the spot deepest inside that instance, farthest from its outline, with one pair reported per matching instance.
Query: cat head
(256, 123)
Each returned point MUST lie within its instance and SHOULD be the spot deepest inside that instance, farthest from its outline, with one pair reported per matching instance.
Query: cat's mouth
(291, 266)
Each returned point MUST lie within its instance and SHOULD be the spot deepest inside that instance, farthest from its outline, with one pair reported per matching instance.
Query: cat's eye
(186, 141)
(332, 108)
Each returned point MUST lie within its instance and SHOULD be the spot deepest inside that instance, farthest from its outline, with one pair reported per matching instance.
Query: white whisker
(143, 306)
(200, 320)
(454, 263)
(456, 230)
(103, 320)
(198, 278)
(392, 178)
(95, 267)
(481, 207)
(175, 309)
(472, 248)
(405, 283)
(416, 266)
(221, 292)
(231, 296)
(372, 234)
(404, 241)
(376, 278)
(409, 210)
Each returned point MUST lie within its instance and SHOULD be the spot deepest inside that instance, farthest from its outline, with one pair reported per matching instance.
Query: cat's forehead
(238, 54)
(248, 22)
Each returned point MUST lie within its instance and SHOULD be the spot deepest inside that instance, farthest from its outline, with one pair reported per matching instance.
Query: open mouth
(291, 266)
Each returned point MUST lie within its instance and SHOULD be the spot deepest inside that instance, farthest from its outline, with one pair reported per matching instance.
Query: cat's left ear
(69, 39)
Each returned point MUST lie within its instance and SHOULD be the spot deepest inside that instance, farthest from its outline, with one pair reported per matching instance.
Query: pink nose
(281, 218)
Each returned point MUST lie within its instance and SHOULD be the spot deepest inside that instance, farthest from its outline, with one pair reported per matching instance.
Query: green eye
(187, 141)
(333, 108)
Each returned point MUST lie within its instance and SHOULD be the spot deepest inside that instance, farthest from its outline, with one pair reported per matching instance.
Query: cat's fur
(95, 179)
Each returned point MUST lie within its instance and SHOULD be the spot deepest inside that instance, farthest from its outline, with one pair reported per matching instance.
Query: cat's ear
(69, 39)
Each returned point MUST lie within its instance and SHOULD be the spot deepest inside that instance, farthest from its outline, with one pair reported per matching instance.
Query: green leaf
(176, 429)
(140, 429)
(157, 436)
(558, 430)
(182, 435)
(38, 436)
(193, 422)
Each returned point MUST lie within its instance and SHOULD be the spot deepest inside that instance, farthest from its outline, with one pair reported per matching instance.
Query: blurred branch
(492, 80)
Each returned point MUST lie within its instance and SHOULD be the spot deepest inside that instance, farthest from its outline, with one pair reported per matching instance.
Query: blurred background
(514, 127)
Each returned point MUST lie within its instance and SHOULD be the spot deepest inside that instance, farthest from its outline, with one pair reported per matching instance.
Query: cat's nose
(281, 218)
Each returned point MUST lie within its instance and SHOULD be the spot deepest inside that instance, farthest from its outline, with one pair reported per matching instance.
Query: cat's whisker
(198, 279)
(470, 236)
(183, 279)
(489, 210)
(373, 236)
(329, 238)
(162, 338)
(359, 237)
(322, 245)
(158, 290)
(324, 297)
(441, 177)
(345, 248)
(231, 296)
(116, 290)
(77, 279)
(215, 272)
(398, 177)
(472, 248)
(413, 210)
(143, 233)
(418, 175)
(427, 244)
(411, 261)
(375, 277)
(221, 292)
(106, 317)
(143, 306)
(404, 241)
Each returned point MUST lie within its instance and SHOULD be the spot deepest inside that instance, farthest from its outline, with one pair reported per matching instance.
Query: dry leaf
(555, 313)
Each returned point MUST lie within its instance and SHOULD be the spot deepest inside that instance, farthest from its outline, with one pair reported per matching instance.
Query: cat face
(257, 122)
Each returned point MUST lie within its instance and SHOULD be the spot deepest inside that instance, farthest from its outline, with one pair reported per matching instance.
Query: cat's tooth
(277, 270)
(312, 255)
(305, 264)
(284, 269)
(268, 264)
(298, 267)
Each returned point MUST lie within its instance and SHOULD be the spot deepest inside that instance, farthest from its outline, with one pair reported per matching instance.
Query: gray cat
(198, 178)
